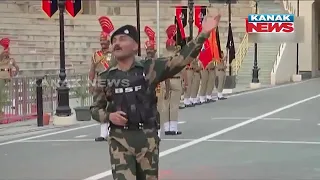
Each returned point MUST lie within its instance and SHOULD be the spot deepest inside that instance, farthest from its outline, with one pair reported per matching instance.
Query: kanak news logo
(270, 23)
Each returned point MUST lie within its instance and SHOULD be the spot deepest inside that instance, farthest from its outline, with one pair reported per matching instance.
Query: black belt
(139, 126)
(220, 69)
(4, 69)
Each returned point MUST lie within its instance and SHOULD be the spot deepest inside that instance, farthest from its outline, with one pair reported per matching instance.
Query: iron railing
(18, 96)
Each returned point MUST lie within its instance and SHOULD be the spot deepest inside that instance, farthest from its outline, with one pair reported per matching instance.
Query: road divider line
(48, 134)
(210, 136)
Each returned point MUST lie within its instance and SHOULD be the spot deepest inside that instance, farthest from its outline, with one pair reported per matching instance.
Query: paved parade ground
(261, 135)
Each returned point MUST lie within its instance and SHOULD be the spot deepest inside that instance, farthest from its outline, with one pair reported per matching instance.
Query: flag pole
(255, 70)
(297, 60)
(228, 50)
(63, 108)
(190, 5)
(158, 28)
(138, 25)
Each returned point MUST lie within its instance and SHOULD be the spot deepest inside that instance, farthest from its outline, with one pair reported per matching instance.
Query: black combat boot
(211, 100)
(172, 133)
(222, 98)
(98, 139)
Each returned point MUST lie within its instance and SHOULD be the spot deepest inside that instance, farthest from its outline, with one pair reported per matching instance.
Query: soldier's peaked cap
(128, 30)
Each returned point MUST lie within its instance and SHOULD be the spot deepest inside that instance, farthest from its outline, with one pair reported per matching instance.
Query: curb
(36, 129)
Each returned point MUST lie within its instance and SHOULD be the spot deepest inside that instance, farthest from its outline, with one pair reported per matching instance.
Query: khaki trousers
(187, 93)
(208, 77)
(169, 108)
(195, 84)
(221, 74)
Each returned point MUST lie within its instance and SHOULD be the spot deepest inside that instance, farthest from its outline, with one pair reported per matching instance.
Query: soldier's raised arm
(164, 68)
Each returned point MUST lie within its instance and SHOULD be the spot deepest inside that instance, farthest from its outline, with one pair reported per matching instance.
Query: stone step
(118, 21)
(78, 63)
(262, 75)
(41, 72)
(94, 18)
(263, 53)
(75, 37)
(262, 64)
(127, 8)
(264, 70)
(248, 79)
(89, 29)
(9, 7)
(249, 76)
(44, 57)
(72, 47)
(28, 65)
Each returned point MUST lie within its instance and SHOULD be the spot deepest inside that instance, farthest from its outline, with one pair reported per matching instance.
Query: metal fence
(18, 96)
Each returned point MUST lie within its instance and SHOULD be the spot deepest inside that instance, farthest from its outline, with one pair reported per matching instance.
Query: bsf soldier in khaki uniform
(208, 76)
(193, 82)
(171, 100)
(8, 69)
(220, 70)
(101, 61)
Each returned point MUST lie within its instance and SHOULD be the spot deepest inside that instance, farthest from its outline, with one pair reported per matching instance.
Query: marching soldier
(208, 76)
(221, 74)
(171, 99)
(8, 68)
(101, 61)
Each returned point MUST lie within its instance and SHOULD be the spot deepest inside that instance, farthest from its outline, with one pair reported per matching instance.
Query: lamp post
(63, 108)
(190, 21)
(297, 63)
(255, 70)
(229, 20)
(138, 25)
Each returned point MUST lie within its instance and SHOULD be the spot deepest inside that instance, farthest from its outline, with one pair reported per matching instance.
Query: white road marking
(83, 140)
(83, 127)
(47, 134)
(81, 136)
(250, 141)
(211, 140)
(282, 119)
(57, 140)
(267, 119)
(270, 88)
(266, 142)
(181, 122)
(210, 136)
